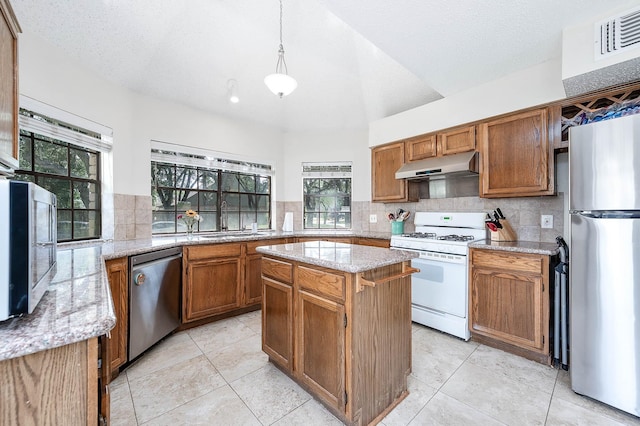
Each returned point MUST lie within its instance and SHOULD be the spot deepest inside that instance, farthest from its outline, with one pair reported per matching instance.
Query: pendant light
(280, 83)
(232, 91)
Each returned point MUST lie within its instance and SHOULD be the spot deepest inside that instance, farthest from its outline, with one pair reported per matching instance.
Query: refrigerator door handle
(607, 214)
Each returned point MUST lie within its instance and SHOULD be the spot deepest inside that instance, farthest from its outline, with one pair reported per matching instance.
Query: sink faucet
(224, 217)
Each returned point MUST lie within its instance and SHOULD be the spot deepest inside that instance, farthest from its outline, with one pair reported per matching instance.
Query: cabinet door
(117, 272)
(277, 322)
(515, 156)
(253, 279)
(420, 147)
(211, 286)
(385, 162)
(320, 347)
(9, 30)
(509, 307)
(461, 139)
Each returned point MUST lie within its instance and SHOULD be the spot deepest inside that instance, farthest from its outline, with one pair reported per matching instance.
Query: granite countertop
(531, 247)
(78, 304)
(338, 256)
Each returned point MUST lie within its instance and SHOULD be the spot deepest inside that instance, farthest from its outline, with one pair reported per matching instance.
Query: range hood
(465, 163)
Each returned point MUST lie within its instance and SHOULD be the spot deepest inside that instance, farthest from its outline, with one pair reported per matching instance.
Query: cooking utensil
(500, 213)
(391, 217)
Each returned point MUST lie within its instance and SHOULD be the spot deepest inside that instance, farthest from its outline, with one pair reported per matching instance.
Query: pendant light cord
(281, 65)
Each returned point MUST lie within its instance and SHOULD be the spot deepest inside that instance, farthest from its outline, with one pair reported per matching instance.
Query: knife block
(506, 233)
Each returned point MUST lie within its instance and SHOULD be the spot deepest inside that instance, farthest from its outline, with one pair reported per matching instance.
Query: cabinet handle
(361, 281)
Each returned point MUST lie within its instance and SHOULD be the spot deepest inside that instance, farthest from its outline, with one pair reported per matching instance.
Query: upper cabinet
(459, 139)
(385, 161)
(420, 147)
(516, 157)
(9, 30)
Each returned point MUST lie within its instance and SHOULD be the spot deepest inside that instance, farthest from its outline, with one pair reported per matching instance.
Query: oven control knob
(140, 278)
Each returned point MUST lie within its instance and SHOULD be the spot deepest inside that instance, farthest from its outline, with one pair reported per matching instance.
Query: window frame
(324, 172)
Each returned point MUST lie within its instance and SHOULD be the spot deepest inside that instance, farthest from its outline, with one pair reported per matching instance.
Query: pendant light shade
(280, 82)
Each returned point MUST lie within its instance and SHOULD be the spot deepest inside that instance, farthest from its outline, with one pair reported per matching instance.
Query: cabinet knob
(140, 278)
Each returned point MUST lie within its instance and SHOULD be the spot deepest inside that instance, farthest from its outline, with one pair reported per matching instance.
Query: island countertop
(350, 258)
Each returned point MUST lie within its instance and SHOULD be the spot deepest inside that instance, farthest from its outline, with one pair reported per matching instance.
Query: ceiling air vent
(617, 34)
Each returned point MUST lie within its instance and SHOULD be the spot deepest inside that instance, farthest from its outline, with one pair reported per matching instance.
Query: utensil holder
(397, 228)
(506, 233)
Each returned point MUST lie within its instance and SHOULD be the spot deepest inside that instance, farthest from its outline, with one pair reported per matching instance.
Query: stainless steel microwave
(28, 238)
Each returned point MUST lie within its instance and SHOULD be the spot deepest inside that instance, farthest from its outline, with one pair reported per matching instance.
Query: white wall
(49, 76)
(534, 86)
(327, 146)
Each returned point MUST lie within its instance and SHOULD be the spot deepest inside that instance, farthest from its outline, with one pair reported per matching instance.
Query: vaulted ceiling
(355, 61)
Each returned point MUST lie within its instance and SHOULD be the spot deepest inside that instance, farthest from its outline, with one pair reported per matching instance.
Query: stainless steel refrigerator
(604, 203)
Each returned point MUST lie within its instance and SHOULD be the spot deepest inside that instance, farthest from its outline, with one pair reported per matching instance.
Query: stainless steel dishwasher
(154, 297)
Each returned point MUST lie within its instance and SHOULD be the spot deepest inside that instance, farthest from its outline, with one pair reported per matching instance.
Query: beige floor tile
(540, 376)
(311, 413)
(216, 335)
(443, 410)
(172, 350)
(122, 411)
(563, 391)
(436, 356)
(239, 359)
(509, 401)
(269, 394)
(419, 394)
(253, 320)
(166, 389)
(219, 407)
(566, 413)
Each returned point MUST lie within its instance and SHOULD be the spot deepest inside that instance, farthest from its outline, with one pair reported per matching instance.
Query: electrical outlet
(373, 218)
(546, 221)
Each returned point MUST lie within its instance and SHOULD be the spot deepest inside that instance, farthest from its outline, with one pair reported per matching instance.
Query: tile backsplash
(523, 213)
(132, 216)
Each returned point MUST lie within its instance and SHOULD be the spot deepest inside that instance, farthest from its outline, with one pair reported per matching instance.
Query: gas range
(439, 292)
(443, 232)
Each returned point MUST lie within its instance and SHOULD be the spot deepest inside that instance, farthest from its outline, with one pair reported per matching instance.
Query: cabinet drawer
(277, 269)
(322, 282)
(251, 246)
(214, 250)
(509, 261)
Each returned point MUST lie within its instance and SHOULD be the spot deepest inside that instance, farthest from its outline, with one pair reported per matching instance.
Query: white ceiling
(355, 61)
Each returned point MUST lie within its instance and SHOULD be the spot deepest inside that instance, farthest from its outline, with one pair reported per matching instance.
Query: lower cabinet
(118, 275)
(57, 386)
(211, 281)
(347, 343)
(509, 301)
(253, 269)
(321, 346)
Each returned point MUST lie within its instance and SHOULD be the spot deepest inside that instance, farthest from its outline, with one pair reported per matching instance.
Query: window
(227, 194)
(327, 195)
(50, 158)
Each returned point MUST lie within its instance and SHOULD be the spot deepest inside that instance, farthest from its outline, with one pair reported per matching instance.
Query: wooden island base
(345, 337)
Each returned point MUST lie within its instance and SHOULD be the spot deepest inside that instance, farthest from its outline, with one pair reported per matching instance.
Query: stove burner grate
(429, 235)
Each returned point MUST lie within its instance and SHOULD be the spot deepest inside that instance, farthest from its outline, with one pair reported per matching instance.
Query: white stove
(440, 289)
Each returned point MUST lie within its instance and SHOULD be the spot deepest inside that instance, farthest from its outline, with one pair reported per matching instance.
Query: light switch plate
(546, 221)
(373, 218)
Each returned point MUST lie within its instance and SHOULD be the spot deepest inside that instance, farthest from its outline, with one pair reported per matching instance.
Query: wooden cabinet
(373, 242)
(385, 162)
(212, 280)
(252, 275)
(509, 301)
(456, 140)
(277, 312)
(320, 351)
(343, 338)
(516, 159)
(118, 275)
(57, 386)
(9, 30)
(420, 147)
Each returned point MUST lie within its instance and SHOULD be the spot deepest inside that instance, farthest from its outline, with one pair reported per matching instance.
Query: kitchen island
(337, 319)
